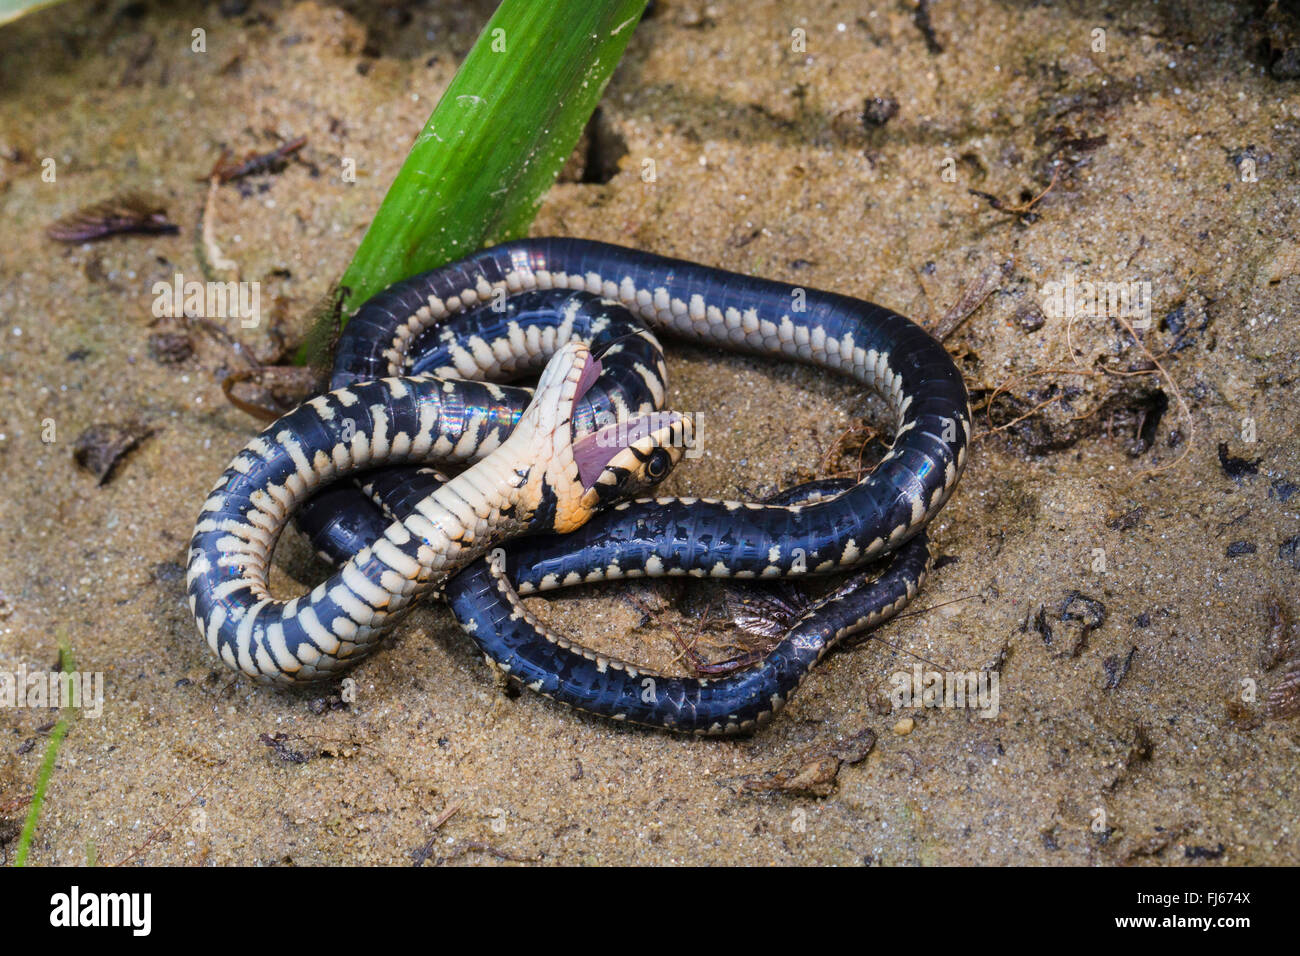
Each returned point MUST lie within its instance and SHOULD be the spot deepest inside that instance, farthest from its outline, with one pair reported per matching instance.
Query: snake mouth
(590, 456)
(593, 452)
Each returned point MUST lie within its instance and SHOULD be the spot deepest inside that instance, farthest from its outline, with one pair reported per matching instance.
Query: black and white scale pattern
(529, 482)
(699, 537)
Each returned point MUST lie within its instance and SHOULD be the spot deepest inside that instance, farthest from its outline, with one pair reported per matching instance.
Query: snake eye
(657, 466)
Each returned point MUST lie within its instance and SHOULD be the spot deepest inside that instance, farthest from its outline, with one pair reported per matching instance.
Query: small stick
(168, 822)
(465, 848)
(996, 203)
(974, 295)
(427, 850)
(224, 172)
(211, 256)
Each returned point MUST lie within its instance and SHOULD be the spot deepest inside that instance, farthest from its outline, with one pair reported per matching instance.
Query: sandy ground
(1175, 154)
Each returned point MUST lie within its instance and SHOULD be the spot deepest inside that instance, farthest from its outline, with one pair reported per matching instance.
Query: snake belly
(880, 514)
(531, 481)
(494, 342)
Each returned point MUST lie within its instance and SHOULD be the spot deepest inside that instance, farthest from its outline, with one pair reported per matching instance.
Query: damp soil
(1122, 550)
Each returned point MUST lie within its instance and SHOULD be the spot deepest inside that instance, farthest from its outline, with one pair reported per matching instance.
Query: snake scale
(883, 514)
(539, 476)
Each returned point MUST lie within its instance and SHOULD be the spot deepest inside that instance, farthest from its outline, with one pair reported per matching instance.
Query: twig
(934, 607)
(490, 850)
(1023, 208)
(169, 821)
(211, 258)
(225, 172)
(427, 850)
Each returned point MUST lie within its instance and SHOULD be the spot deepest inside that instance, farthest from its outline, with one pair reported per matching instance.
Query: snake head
(629, 458)
(571, 477)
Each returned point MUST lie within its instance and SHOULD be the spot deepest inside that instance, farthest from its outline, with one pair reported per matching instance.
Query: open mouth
(594, 451)
(590, 454)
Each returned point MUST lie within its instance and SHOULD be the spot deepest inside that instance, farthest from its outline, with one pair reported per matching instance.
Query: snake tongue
(593, 452)
(587, 378)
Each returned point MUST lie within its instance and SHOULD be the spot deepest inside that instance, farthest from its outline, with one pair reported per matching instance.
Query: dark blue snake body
(874, 517)
(521, 645)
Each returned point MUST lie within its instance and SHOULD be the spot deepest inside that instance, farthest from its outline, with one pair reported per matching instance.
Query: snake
(538, 476)
(883, 514)
(494, 343)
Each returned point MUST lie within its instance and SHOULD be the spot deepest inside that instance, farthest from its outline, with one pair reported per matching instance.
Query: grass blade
(13, 9)
(497, 138)
(47, 765)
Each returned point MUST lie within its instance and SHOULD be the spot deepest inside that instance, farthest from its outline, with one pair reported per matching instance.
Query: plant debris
(170, 348)
(922, 20)
(274, 160)
(1283, 700)
(1278, 645)
(878, 110)
(281, 388)
(423, 853)
(1128, 520)
(1140, 750)
(125, 213)
(765, 612)
(1023, 210)
(1156, 843)
(1289, 551)
(99, 448)
(974, 295)
(815, 774)
(1116, 668)
(1234, 467)
(1041, 625)
(1282, 490)
(280, 744)
(1077, 606)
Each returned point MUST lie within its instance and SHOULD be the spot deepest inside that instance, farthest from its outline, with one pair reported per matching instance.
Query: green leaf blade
(494, 144)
